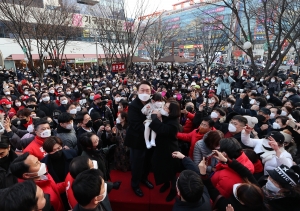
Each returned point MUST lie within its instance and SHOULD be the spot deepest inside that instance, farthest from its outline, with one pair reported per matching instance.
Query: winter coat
(295, 98)
(53, 189)
(6, 177)
(102, 206)
(16, 140)
(68, 137)
(36, 148)
(135, 131)
(226, 85)
(224, 177)
(121, 155)
(48, 108)
(200, 151)
(104, 111)
(67, 157)
(164, 165)
(188, 126)
(69, 192)
(191, 137)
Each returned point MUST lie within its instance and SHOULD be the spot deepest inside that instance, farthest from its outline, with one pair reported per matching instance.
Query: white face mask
(118, 121)
(51, 91)
(272, 80)
(46, 133)
(73, 111)
(287, 95)
(30, 128)
(95, 164)
(268, 97)
(234, 190)
(78, 108)
(107, 92)
(105, 192)
(158, 104)
(8, 106)
(252, 102)
(283, 113)
(68, 93)
(214, 115)
(46, 99)
(261, 80)
(69, 126)
(164, 113)
(41, 171)
(64, 102)
(272, 116)
(231, 128)
(228, 105)
(132, 99)
(271, 187)
(144, 97)
(8, 93)
(118, 99)
(276, 125)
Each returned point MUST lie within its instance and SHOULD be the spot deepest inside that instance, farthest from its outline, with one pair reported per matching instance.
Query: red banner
(118, 67)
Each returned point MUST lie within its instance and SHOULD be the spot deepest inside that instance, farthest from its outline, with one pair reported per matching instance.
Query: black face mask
(97, 124)
(261, 118)
(48, 206)
(23, 121)
(89, 124)
(32, 106)
(99, 104)
(56, 155)
(51, 124)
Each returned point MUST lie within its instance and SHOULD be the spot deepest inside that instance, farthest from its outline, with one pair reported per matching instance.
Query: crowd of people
(233, 138)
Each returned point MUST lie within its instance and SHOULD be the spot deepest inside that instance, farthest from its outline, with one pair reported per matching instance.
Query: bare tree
(121, 30)
(209, 37)
(276, 19)
(47, 30)
(159, 37)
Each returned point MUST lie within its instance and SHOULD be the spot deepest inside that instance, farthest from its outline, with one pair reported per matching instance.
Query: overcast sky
(160, 4)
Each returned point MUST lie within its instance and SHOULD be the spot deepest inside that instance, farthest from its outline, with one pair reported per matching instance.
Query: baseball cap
(97, 96)
(284, 175)
(278, 137)
(5, 102)
(265, 110)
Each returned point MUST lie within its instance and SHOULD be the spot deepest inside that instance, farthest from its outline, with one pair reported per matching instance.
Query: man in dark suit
(139, 154)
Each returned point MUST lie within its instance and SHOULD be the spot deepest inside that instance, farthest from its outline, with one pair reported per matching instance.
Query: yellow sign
(189, 46)
(86, 32)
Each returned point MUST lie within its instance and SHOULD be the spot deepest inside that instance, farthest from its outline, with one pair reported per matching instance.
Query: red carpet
(125, 199)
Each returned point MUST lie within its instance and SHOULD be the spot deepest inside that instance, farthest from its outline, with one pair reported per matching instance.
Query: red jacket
(71, 199)
(191, 137)
(49, 186)
(188, 126)
(224, 177)
(36, 148)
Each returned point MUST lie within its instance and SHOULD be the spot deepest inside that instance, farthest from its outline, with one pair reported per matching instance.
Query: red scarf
(28, 123)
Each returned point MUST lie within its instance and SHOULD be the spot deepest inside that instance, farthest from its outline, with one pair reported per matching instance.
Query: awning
(18, 57)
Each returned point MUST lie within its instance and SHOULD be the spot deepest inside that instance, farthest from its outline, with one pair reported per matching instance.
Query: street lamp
(247, 45)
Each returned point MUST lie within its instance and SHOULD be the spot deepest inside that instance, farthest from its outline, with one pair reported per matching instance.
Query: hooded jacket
(224, 177)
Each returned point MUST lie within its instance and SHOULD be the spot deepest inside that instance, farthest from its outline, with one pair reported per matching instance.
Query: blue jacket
(224, 85)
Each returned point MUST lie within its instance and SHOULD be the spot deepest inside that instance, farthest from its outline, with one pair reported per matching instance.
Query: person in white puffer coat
(270, 149)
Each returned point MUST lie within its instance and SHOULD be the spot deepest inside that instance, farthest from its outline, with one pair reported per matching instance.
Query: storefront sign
(85, 60)
(118, 67)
